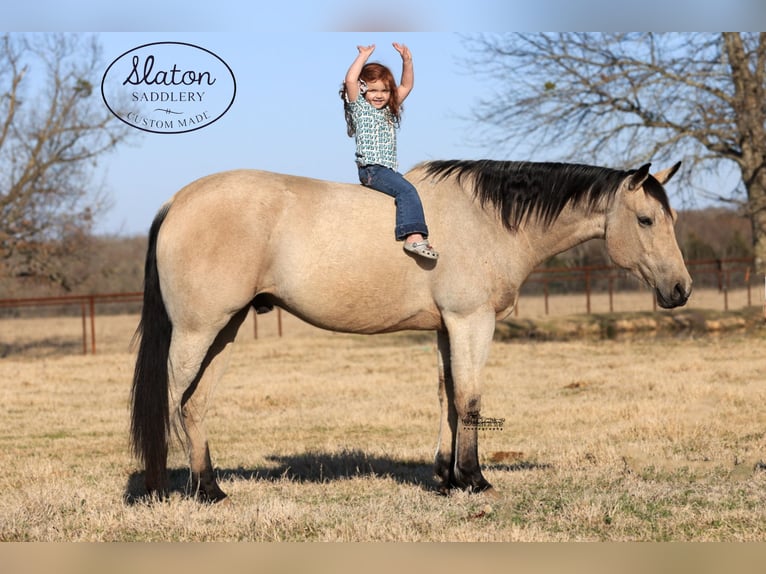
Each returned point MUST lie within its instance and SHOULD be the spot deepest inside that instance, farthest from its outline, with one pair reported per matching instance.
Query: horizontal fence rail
(87, 304)
(722, 275)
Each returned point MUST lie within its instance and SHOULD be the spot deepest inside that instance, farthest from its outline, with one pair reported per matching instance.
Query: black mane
(522, 190)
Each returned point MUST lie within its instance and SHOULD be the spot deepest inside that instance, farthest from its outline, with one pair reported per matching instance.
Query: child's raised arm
(352, 76)
(408, 73)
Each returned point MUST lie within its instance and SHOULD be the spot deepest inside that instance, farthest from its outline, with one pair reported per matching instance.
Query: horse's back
(249, 186)
(253, 207)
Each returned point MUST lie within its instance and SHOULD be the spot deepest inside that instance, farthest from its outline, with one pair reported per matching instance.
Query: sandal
(422, 248)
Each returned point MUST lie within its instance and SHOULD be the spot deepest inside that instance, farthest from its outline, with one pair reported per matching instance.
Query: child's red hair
(374, 71)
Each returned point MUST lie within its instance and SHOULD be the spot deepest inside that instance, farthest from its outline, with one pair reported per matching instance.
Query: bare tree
(53, 129)
(634, 97)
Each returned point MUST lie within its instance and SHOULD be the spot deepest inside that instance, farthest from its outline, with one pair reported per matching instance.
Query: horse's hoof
(214, 498)
(447, 488)
(217, 496)
(444, 488)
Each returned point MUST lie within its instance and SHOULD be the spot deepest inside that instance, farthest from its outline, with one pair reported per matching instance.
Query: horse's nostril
(680, 293)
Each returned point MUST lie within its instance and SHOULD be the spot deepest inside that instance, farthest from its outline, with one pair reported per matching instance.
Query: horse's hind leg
(445, 449)
(195, 397)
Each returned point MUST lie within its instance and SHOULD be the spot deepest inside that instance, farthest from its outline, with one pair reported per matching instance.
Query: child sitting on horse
(373, 105)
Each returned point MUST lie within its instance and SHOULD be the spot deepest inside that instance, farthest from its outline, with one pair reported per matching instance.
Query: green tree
(53, 129)
(636, 97)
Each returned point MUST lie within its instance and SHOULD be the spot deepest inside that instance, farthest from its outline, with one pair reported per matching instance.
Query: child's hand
(404, 51)
(366, 51)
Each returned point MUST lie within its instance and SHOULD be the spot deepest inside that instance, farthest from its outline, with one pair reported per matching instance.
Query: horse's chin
(677, 297)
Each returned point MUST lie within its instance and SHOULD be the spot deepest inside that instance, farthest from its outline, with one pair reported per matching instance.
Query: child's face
(377, 94)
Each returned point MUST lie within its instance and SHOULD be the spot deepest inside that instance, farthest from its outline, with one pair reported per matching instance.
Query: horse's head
(640, 236)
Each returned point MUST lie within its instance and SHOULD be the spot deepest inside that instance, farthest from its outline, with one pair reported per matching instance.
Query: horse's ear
(664, 176)
(639, 177)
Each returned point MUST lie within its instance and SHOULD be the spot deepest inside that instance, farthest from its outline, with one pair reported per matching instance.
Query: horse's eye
(645, 221)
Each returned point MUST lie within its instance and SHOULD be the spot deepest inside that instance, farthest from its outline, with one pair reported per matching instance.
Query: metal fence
(87, 305)
(721, 274)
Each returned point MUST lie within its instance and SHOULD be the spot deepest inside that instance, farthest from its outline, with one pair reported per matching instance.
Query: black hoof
(209, 495)
(206, 489)
(214, 498)
(480, 486)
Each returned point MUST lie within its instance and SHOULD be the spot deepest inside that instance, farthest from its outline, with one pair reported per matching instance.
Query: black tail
(150, 422)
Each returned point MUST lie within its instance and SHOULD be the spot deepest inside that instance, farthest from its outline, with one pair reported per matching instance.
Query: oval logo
(168, 87)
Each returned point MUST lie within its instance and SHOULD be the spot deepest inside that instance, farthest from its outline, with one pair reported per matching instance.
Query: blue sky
(289, 59)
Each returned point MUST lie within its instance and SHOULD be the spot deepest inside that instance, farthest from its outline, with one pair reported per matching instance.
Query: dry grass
(329, 437)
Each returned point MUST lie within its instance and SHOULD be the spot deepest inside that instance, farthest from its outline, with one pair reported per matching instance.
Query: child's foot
(421, 248)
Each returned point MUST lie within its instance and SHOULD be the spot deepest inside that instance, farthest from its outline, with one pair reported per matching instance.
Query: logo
(168, 87)
(473, 420)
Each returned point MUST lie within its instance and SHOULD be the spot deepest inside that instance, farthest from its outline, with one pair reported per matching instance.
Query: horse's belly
(355, 315)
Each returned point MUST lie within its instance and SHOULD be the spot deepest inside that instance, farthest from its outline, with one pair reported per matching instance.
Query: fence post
(92, 301)
(84, 329)
(255, 322)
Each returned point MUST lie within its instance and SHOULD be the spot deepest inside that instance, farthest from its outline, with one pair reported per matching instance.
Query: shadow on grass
(317, 467)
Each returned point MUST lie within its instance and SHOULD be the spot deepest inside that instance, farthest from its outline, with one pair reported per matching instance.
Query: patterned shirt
(375, 134)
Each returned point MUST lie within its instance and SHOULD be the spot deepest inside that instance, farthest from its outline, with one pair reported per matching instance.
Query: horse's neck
(571, 228)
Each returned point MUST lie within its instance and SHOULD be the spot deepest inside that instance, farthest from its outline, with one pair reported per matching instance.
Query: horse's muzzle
(677, 297)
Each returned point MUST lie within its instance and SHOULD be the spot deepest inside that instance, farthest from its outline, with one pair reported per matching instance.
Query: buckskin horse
(250, 238)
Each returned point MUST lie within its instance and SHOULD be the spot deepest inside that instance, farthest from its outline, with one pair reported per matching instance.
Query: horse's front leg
(469, 342)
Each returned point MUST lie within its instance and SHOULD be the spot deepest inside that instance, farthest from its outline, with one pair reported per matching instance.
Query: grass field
(330, 437)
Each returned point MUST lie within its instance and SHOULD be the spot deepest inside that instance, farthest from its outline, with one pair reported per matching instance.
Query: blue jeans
(409, 211)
